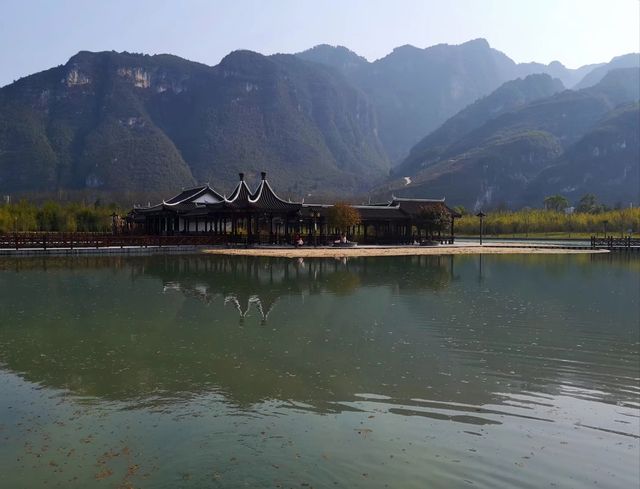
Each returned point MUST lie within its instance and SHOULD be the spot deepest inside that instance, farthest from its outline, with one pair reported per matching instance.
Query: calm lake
(408, 372)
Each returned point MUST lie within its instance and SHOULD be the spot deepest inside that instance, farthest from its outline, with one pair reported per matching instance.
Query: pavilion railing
(610, 242)
(48, 240)
(330, 239)
(101, 240)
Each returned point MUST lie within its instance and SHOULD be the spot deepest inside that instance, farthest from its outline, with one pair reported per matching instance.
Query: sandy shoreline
(394, 251)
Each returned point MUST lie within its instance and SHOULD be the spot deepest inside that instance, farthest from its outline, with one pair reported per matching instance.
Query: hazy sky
(39, 34)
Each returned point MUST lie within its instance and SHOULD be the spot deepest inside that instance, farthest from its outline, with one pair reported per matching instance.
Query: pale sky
(38, 34)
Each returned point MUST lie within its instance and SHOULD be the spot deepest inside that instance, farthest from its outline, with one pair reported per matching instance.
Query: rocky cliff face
(122, 122)
(76, 77)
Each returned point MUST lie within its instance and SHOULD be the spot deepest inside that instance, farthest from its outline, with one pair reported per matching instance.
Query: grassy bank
(551, 224)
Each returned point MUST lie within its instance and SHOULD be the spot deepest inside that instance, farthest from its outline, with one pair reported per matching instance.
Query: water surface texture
(404, 372)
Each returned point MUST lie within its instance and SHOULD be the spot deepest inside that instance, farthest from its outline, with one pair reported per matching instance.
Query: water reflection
(250, 283)
(151, 331)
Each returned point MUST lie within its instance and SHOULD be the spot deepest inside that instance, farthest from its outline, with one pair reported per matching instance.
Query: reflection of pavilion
(263, 307)
(199, 291)
(243, 303)
(161, 350)
(251, 283)
(169, 348)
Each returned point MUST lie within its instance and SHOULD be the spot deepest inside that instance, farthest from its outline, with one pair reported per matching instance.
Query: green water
(411, 372)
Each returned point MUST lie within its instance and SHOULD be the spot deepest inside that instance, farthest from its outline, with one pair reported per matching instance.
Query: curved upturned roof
(240, 195)
(265, 198)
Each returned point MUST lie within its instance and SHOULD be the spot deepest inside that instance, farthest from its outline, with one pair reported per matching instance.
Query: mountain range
(415, 90)
(507, 148)
(125, 122)
(324, 122)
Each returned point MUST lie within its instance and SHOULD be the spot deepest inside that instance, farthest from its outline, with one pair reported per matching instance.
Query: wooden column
(451, 239)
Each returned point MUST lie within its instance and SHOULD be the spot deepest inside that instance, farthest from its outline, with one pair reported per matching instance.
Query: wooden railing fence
(611, 242)
(48, 240)
(101, 240)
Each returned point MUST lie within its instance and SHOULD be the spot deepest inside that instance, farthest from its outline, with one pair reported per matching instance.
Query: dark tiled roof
(182, 201)
(367, 212)
(193, 193)
(240, 196)
(266, 199)
(378, 212)
(147, 210)
(395, 200)
(180, 208)
(398, 209)
(185, 194)
(414, 206)
(203, 210)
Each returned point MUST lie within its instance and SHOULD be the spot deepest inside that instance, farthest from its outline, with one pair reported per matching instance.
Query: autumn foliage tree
(343, 216)
(435, 218)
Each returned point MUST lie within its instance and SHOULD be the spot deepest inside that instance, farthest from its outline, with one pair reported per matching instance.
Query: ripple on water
(194, 371)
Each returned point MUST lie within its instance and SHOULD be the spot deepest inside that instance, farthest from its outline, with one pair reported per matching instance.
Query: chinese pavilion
(261, 216)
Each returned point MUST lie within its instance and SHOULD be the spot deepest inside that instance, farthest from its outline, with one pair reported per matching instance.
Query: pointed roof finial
(263, 174)
(241, 175)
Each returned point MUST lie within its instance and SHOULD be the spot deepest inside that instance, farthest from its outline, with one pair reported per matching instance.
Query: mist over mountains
(465, 122)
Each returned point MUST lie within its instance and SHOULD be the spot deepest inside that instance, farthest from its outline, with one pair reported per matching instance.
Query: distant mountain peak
(333, 48)
(630, 60)
(479, 42)
(556, 64)
(406, 48)
(242, 53)
(338, 57)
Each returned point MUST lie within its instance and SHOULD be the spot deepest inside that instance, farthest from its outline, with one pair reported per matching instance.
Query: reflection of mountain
(156, 329)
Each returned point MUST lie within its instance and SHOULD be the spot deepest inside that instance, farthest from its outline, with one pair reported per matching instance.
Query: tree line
(587, 204)
(538, 221)
(57, 217)
(588, 216)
